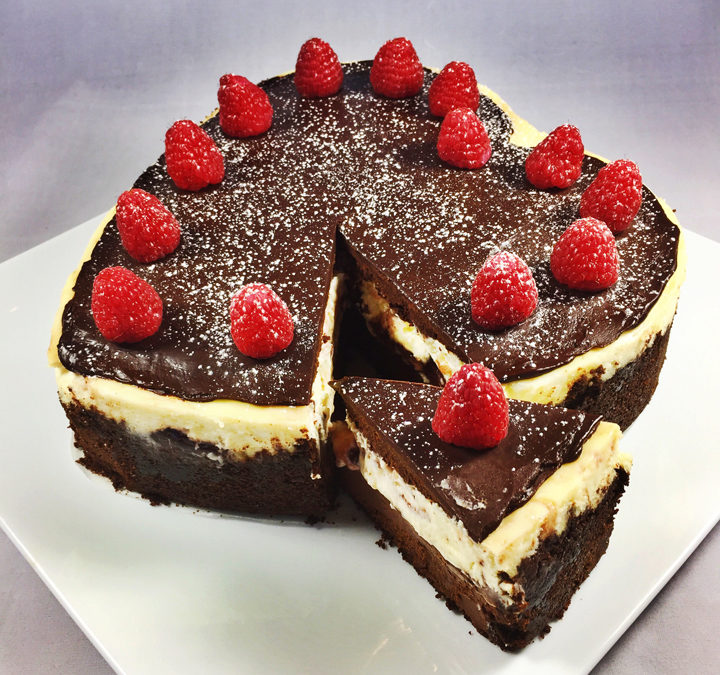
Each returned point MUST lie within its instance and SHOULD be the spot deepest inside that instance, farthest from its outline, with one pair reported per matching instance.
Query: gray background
(89, 89)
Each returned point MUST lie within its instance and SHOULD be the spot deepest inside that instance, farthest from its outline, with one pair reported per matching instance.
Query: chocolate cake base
(549, 577)
(166, 466)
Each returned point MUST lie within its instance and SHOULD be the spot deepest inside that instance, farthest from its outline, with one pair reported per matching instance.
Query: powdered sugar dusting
(369, 164)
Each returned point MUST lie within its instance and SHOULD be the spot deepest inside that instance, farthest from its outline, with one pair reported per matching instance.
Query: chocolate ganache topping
(479, 488)
(367, 165)
(422, 231)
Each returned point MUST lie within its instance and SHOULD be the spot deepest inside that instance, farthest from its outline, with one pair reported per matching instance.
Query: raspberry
(125, 308)
(454, 87)
(317, 71)
(614, 196)
(396, 70)
(344, 446)
(472, 410)
(585, 257)
(192, 158)
(504, 292)
(557, 160)
(463, 141)
(260, 321)
(245, 109)
(147, 229)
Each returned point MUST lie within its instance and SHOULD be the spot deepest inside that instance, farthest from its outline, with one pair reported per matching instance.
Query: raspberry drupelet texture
(260, 322)
(317, 71)
(585, 257)
(193, 160)
(504, 292)
(245, 109)
(472, 411)
(125, 307)
(556, 162)
(614, 196)
(463, 141)
(454, 87)
(148, 231)
(396, 70)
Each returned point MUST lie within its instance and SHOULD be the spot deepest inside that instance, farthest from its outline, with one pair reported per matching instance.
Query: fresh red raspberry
(463, 141)
(454, 87)
(344, 446)
(148, 231)
(125, 308)
(614, 196)
(317, 71)
(193, 160)
(245, 109)
(585, 257)
(396, 70)
(472, 411)
(260, 321)
(557, 160)
(504, 292)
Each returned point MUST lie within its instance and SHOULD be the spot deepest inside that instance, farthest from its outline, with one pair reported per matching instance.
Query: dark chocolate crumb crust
(167, 466)
(366, 165)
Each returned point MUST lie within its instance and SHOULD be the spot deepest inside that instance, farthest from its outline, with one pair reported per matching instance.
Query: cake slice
(419, 240)
(184, 416)
(506, 534)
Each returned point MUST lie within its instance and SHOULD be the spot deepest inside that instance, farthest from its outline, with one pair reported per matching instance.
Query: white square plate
(174, 590)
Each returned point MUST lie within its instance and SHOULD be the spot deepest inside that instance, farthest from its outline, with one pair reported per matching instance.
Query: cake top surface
(273, 220)
(425, 229)
(479, 488)
(368, 165)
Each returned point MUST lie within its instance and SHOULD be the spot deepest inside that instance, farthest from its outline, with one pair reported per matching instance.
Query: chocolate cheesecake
(183, 416)
(506, 534)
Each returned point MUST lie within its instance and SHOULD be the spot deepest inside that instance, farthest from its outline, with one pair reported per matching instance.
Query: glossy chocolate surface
(425, 229)
(368, 165)
(479, 488)
(272, 219)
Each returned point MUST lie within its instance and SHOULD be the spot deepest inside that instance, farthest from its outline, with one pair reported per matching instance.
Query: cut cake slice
(419, 239)
(508, 534)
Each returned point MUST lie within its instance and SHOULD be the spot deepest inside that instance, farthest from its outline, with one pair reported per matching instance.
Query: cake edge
(236, 426)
